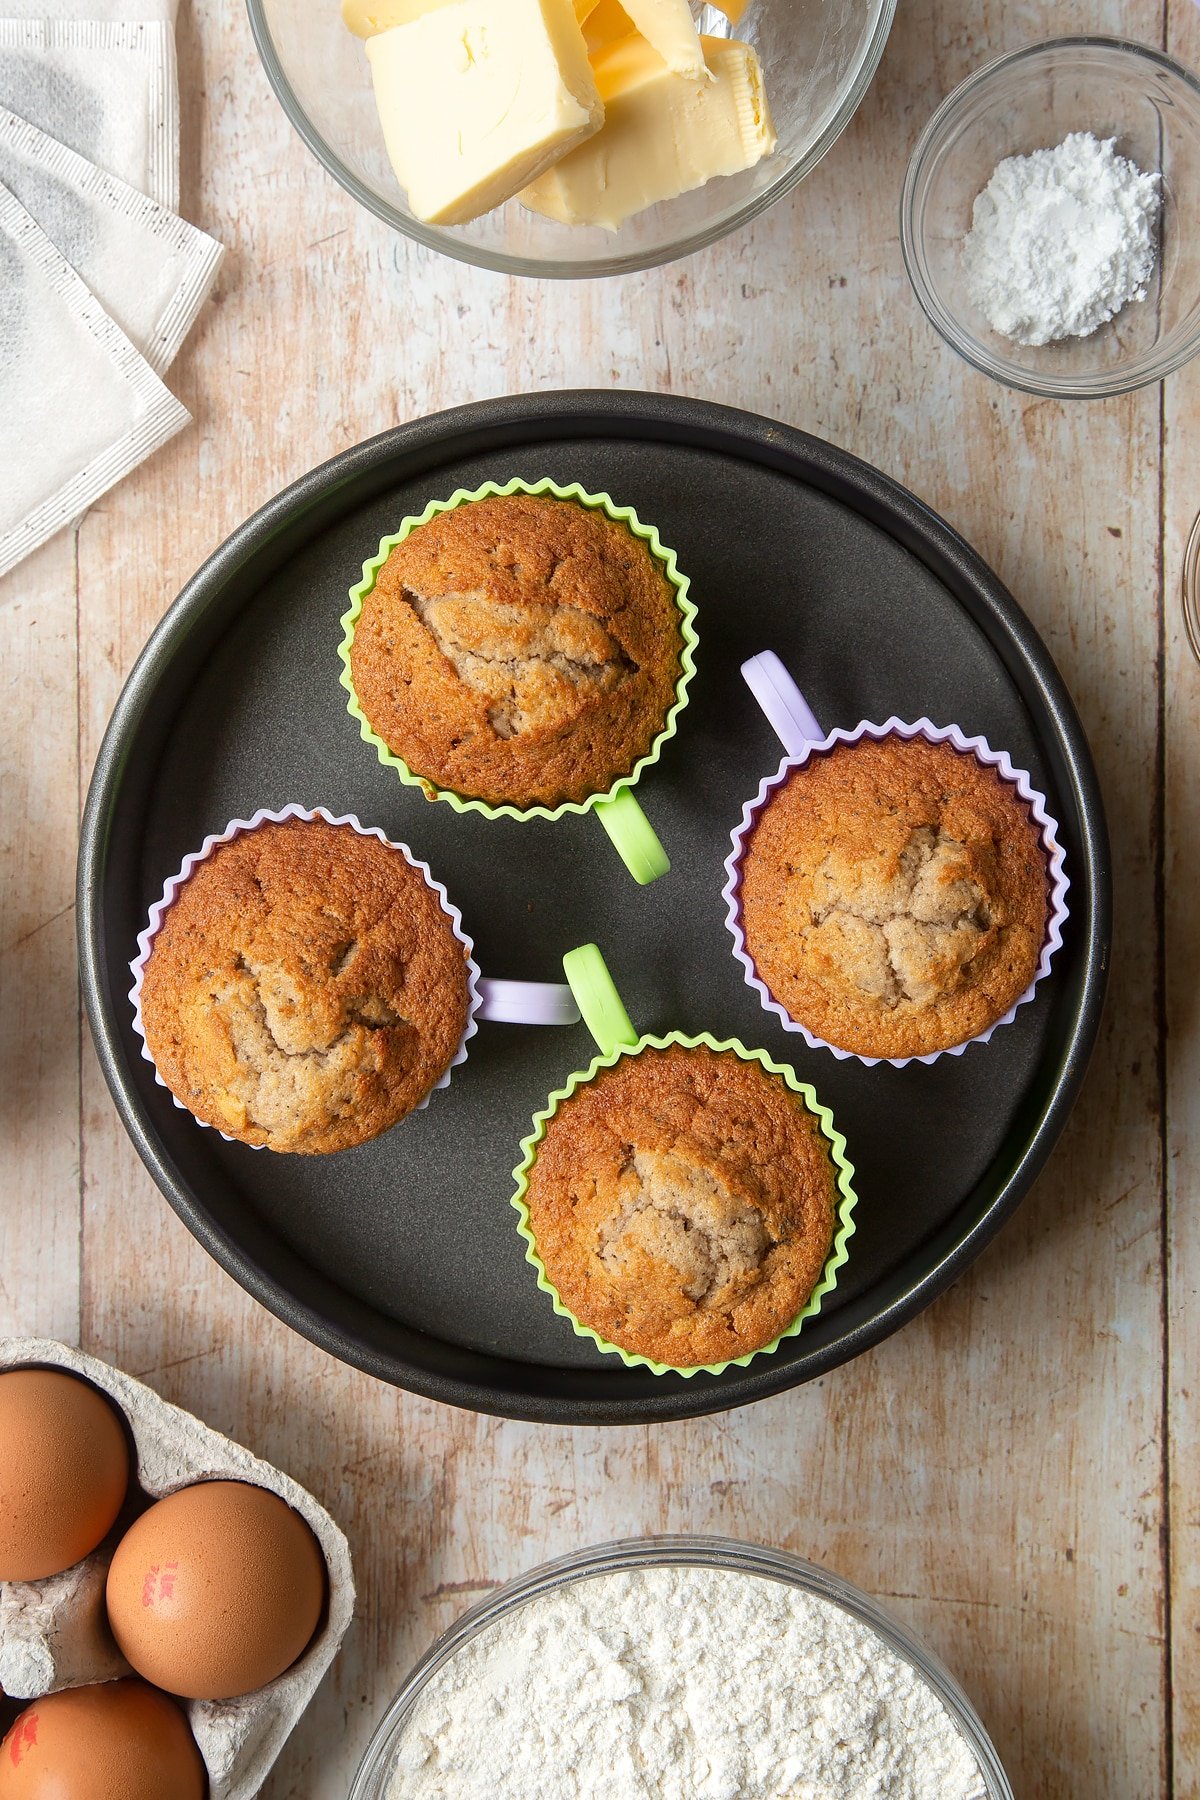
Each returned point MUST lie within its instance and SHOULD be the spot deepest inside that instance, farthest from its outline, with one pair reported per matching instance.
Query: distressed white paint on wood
(997, 1469)
(39, 1025)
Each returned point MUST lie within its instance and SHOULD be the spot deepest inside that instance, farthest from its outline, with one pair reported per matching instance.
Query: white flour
(1061, 240)
(681, 1684)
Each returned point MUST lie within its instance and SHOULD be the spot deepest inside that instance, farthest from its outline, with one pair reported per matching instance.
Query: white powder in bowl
(681, 1684)
(1061, 240)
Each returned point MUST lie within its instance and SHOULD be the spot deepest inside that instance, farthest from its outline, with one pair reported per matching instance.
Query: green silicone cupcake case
(617, 809)
(606, 1018)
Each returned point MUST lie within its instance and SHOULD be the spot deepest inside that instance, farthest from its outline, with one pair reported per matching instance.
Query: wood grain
(1179, 999)
(1001, 1472)
(39, 1009)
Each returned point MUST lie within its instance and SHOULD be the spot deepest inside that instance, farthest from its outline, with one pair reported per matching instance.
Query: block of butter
(668, 27)
(366, 18)
(662, 135)
(477, 98)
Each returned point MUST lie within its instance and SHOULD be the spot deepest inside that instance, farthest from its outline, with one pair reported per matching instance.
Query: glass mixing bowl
(372, 1780)
(1030, 100)
(818, 60)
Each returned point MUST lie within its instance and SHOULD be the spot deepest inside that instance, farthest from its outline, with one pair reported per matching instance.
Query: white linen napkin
(79, 406)
(109, 91)
(149, 269)
(93, 9)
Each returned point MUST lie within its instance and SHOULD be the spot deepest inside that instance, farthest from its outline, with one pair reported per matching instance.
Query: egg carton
(54, 1633)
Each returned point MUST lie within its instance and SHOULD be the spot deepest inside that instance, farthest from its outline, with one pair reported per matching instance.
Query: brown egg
(64, 1471)
(216, 1590)
(118, 1741)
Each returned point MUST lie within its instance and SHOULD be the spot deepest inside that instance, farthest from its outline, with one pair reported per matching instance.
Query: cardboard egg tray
(54, 1633)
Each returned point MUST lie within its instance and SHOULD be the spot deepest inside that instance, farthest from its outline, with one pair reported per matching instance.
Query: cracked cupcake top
(893, 896)
(306, 988)
(519, 649)
(682, 1202)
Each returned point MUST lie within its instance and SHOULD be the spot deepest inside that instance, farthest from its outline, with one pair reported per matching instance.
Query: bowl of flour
(679, 1668)
(1047, 217)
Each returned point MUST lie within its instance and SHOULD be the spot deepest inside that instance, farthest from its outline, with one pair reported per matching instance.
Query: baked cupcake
(519, 649)
(682, 1205)
(894, 895)
(305, 989)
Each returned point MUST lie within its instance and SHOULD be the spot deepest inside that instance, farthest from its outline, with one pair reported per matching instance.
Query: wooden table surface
(1016, 1472)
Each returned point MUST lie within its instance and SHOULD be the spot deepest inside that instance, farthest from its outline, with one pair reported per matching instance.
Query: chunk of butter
(476, 99)
(368, 17)
(668, 27)
(663, 134)
(606, 21)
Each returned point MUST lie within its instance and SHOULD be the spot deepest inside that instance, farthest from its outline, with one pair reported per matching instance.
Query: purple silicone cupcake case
(517, 1002)
(802, 739)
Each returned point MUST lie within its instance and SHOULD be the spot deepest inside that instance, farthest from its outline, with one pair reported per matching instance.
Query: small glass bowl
(1030, 100)
(375, 1770)
(818, 61)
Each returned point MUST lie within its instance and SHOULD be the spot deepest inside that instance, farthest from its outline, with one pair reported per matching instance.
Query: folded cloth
(149, 270)
(135, 10)
(79, 406)
(109, 91)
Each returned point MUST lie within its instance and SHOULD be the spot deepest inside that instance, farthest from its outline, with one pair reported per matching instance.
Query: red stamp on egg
(23, 1738)
(159, 1584)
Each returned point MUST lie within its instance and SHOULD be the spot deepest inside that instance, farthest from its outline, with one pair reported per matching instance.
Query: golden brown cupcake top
(306, 988)
(893, 896)
(519, 649)
(682, 1203)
